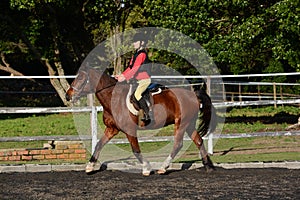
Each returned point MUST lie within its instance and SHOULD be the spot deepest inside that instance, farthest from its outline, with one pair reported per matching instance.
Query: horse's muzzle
(69, 94)
(68, 98)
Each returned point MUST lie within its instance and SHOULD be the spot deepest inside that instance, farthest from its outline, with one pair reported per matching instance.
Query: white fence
(93, 109)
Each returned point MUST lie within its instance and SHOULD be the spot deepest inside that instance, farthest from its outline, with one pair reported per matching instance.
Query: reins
(104, 88)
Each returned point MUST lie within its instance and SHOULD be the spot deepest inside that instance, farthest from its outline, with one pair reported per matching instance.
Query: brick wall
(70, 151)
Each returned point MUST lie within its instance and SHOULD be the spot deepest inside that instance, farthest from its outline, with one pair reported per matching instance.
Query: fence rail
(12, 110)
(143, 139)
(225, 94)
(167, 77)
(256, 103)
(18, 110)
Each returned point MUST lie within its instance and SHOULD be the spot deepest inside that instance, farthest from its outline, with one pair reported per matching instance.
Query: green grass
(35, 125)
(17, 145)
(242, 127)
(264, 119)
(263, 149)
(262, 111)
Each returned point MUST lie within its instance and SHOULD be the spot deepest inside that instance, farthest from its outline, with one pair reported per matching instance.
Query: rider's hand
(120, 78)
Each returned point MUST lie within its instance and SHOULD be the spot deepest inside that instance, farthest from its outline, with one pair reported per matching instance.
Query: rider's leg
(142, 86)
(144, 106)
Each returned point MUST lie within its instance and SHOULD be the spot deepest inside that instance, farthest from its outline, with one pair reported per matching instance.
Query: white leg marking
(165, 165)
(90, 167)
(146, 168)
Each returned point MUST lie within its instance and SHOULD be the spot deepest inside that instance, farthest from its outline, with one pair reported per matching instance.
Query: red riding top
(132, 72)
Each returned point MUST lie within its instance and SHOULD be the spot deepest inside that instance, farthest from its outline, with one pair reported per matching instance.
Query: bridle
(78, 90)
(87, 81)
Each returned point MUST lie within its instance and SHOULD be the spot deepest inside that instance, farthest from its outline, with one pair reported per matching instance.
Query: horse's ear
(106, 71)
(204, 86)
(109, 71)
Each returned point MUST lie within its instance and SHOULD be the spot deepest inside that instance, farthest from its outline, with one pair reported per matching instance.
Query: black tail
(208, 116)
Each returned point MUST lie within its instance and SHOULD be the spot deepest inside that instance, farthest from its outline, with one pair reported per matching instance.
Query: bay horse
(176, 106)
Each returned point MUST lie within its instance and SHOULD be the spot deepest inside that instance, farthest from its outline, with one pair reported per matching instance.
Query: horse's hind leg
(137, 152)
(194, 135)
(108, 134)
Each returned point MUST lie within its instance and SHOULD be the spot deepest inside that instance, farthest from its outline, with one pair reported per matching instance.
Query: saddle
(153, 89)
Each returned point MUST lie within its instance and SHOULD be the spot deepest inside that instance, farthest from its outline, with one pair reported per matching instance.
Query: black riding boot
(144, 106)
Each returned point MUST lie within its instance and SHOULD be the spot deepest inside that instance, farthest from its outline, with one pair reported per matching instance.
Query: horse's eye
(80, 77)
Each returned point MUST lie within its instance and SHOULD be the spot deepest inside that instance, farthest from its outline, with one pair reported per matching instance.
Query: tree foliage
(54, 36)
(242, 36)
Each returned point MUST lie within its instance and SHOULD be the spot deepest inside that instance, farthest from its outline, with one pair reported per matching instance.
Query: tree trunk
(57, 83)
(7, 67)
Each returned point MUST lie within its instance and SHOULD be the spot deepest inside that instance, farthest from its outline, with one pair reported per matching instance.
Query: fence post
(210, 135)
(210, 145)
(93, 117)
(240, 92)
(208, 84)
(274, 94)
(258, 92)
(224, 93)
(281, 94)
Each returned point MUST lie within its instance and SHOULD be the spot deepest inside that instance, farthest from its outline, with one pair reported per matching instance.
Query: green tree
(60, 33)
(251, 36)
(242, 36)
(256, 42)
(116, 16)
(188, 17)
(50, 32)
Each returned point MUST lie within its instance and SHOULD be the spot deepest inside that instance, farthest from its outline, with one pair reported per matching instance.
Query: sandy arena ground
(267, 183)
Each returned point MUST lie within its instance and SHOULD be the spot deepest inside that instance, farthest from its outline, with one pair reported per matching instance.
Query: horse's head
(84, 83)
(88, 80)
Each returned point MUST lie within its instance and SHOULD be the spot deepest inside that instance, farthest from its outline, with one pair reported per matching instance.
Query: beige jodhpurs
(142, 86)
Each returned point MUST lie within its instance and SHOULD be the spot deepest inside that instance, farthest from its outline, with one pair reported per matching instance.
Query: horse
(176, 106)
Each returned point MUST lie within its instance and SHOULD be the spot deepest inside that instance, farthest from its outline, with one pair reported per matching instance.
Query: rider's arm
(129, 73)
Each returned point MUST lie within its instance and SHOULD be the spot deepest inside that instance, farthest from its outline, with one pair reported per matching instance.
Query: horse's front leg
(109, 133)
(137, 152)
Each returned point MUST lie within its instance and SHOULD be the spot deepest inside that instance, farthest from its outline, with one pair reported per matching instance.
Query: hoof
(89, 168)
(208, 170)
(147, 173)
(161, 171)
(208, 165)
(146, 168)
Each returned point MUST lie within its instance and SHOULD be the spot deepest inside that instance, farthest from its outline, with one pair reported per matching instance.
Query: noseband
(87, 80)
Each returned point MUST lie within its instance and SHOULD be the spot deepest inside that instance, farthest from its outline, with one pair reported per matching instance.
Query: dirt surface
(269, 183)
